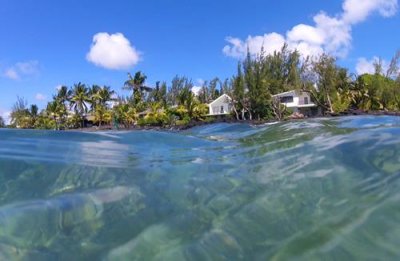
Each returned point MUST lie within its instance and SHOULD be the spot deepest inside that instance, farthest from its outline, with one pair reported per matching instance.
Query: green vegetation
(331, 86)
(2, 123)
(81, 105)
(257, 79)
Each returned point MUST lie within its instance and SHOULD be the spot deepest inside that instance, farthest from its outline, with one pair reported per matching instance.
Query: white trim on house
(220, 106)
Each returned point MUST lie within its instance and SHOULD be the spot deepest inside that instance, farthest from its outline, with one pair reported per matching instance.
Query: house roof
(293, 92)
(223, 96)
(285, 93)
(310, 105)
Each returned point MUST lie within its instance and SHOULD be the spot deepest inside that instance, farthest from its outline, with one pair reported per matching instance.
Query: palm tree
(125, 114)
(79, 100)
(101, 114)
(94, 96)
(63, 96)
(105, 95)
(55, 110)
(136, 84)
(99, 97)
(33, 114)
(187, 99)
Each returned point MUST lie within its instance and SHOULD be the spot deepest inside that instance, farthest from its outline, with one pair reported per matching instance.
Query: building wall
(220, 107)
(302, 96)
(290, 104)
(298, 99)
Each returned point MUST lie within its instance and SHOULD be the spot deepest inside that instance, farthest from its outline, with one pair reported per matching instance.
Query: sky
(47, 43)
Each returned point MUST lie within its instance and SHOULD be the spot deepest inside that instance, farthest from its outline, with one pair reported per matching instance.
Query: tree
(200, 111)
(257, 84)
(326, 70)
(62, 97)
(94, 96)
(278, 108)
(79, 99)
(136, 85)
(159, 94)
(177, 85)
(214, 88)
(20, 114)
(33, 113)
(105, 95)
(55, 109)
(102, 115)
(156, 115)
(393, 70)
(2, 122)
(187, 99)
(238, 94)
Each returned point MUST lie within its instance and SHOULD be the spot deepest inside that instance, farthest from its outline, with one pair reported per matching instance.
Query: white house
(221, 106)
(298, 101)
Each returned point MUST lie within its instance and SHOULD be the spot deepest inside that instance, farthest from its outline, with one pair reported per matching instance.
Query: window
(305, 100)
(287, 99)
(222, 109)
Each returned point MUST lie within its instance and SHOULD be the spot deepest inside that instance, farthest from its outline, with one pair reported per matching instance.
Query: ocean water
(319, 189)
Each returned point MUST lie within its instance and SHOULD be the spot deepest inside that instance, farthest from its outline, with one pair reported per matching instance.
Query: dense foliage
(257, 79)
(81, 106)
(332, 87)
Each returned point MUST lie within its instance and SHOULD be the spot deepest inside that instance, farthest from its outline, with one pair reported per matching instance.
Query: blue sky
(47, 43)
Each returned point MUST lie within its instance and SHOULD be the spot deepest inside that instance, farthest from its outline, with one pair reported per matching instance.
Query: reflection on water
(317, 189)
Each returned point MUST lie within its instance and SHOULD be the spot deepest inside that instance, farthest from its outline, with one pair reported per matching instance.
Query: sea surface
(319, 189)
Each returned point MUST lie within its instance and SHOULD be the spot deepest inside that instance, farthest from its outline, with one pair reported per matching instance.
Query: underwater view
(306, 190)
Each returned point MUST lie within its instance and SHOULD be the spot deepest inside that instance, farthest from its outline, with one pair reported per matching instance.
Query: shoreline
(232, 120)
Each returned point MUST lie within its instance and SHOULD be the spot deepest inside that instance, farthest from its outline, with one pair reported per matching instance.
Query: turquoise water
(306, 190)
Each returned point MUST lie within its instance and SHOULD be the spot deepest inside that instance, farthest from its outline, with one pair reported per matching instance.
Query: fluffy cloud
(237, 48)
(40, 97)
(196, 90)
(112, 51)
(330, 34)
(365, 66)
(356, 11)
(22, 69)
(11, 73)
(368, 66)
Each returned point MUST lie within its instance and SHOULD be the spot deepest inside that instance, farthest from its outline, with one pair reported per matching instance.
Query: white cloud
(196, 89)
(22, 69)
(364, 66)
(330, 34)
(356, 11)
(11, 73)
(238, 48)
(368, 66)
(30, 67)
(40, 97)
(112, 51)
(307, 33)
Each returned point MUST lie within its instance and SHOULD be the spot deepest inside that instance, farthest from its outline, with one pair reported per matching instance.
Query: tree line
(333, 88)
(72, 107)
(258, 77)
